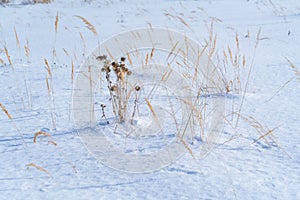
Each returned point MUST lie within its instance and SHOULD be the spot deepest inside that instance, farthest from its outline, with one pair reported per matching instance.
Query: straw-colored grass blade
(8, 57)
(52, 142)
(48, 86)
(83, 43)
(172, 50)
(48, 68)
(150, 107)
(72, 72)
(56, 22)
(66, 52)
(54, 54)
(230, 54)
(269, 132)
(183, 22)
(27, 50)
(152, 53)
(213, 47)
(154, 114)
(129, 58)
(5, 111)
(237, 41)
(187, 147)
(40, 133)
(258, 37)
(17, 38)
(38, 168)
(147, 59)
(294, 68)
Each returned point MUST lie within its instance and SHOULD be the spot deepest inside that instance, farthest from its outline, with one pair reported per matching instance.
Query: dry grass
(83, 44)
(129, 58)
(56, 22)
(72, 72)
(295, 70)
(42, 1)
(52, 142)
(48, 68)
(232, 57)
(5, 111)
(66, 52)
(88, 25)
(48, 86)
(17, 40)
(50, 90)
(248, 77)
(29, 1)
(187, 147)
(40, 133)
(151, 108)
(118, 90)
(38, 168)
(27, 50)
(280, 88)
(8, 57)
(265, 134)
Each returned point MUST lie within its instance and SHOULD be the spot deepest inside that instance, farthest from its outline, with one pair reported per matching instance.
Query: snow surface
(241, 168)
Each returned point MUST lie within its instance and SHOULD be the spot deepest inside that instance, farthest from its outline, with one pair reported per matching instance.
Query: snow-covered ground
(241, 166)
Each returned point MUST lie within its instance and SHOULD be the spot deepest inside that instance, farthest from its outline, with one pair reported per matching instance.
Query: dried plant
(17, 41)
(83, 43)
(248, 77)
(40, 133)
(103, 112)
(56, 23)
(88, 24)
(8, 57)
(118, 89)
(48, 68)
(50, 92)
(294, 68)
(38, 168)
(52, 142)
(1, 61)
(42, 1)
(5, 111)
(27, 50)
(72, 71)
(136, 101)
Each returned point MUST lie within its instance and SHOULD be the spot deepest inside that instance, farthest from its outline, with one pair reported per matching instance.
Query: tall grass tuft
(295, 70)
(50, 93)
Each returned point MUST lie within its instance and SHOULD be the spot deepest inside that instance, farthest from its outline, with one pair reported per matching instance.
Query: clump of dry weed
(118, 88)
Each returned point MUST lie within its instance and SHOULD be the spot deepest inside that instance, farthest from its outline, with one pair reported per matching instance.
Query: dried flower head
(114, 88)
(103, 105)
(137, 88)
(103, 57)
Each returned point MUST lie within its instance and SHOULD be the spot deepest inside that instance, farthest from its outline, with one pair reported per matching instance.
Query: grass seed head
(137, 88)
